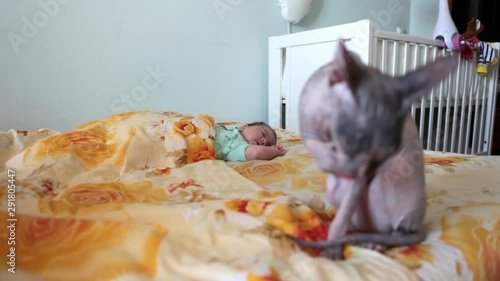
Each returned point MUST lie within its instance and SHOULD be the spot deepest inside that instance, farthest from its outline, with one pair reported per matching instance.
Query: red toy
(468, 43)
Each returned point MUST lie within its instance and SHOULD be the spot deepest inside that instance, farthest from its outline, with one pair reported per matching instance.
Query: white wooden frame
(465, 101)
(279, 53)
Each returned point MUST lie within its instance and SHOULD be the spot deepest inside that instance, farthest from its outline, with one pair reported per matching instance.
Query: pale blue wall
(91, 52)
(90, 56)
(423, 17)
(386, 14)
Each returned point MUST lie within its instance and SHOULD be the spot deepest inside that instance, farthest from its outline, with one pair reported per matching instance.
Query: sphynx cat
(356, 123)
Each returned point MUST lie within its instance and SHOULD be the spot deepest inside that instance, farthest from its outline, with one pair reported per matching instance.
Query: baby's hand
(282, 150)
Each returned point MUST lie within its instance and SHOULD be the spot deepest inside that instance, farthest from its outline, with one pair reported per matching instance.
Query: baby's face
(259, 135)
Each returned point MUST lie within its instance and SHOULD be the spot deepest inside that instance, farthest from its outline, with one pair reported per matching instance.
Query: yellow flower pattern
(93, 196)
(67, 248)
(141, 196)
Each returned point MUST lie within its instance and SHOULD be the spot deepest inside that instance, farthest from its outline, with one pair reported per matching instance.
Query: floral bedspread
(140, 196)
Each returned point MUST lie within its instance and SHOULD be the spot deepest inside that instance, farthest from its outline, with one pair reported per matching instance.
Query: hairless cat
(356, 123)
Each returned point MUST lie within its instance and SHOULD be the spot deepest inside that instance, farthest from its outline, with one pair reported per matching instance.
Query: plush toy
(469, 42)
(474, 27)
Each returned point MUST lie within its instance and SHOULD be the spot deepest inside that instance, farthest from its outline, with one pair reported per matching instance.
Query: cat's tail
(393, 239)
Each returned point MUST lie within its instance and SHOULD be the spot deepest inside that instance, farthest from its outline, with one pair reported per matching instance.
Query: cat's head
(370, 109)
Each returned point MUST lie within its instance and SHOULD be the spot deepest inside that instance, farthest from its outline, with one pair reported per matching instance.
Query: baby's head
(259, 133)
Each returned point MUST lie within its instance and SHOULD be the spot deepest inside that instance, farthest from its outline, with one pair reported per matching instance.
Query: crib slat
(442, 88)
(455, 108)
(418, 54)
(405, 58)
(423, 106)
(476, 119)
(451, 81)
(470, 111)
(462, 110)
(453, 115)
(483, 117)
(395, 55)
(431, 106)
(471, 94)
(384, 56)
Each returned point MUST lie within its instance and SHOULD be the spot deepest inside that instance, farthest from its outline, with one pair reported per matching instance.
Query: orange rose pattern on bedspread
(140, 196)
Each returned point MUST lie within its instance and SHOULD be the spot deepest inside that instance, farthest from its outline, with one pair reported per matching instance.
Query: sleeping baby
(254, 141)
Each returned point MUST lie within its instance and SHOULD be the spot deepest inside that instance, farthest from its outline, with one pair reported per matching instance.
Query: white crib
(457, 116)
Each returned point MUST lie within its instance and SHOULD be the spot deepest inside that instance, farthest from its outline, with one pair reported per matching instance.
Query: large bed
(89, 205)
(140, 196)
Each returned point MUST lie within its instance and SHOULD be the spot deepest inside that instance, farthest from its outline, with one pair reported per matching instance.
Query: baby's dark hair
(262, 123)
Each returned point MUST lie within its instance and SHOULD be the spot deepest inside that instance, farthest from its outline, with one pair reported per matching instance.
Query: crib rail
(458, 114)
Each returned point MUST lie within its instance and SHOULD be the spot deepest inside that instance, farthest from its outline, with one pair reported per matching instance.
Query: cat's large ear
(345, 66)
(419, 82)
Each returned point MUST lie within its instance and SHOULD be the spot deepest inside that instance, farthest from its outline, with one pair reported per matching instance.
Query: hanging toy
(445, 28)
(486, 54)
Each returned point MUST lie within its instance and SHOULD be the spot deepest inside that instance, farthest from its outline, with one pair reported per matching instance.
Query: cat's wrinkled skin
(356, 123)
